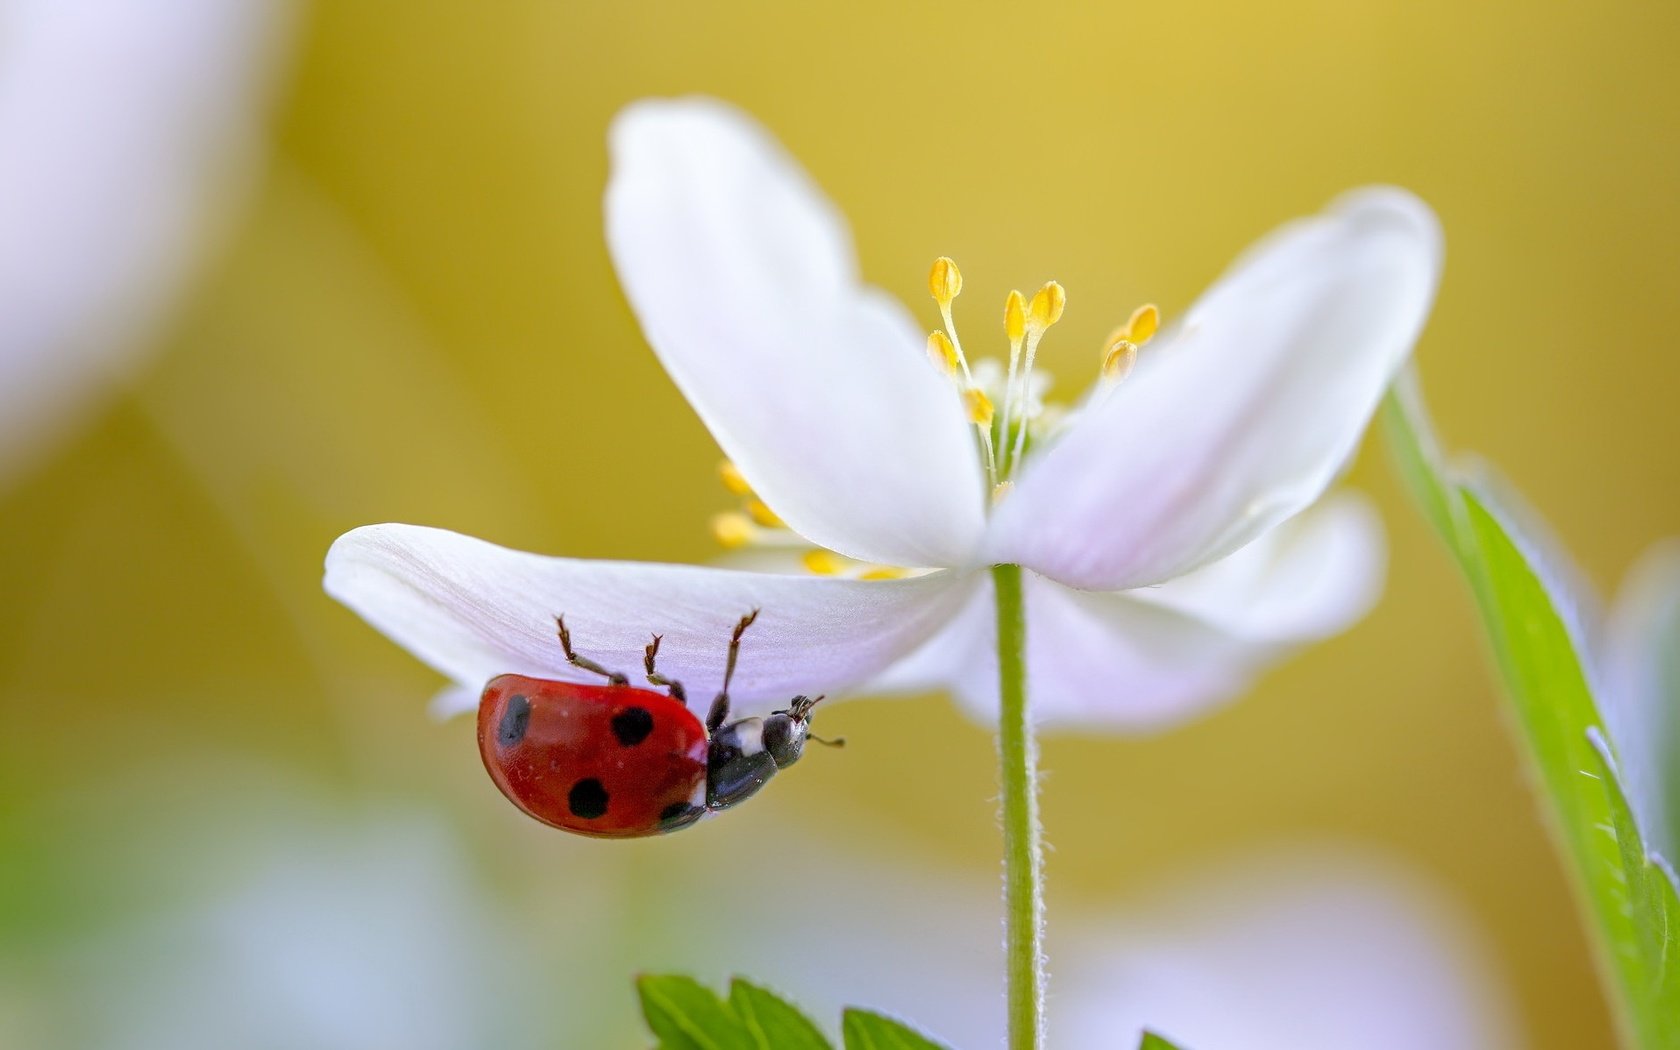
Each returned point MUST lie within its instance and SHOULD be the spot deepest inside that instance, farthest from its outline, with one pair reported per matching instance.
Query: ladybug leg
(720, 711)
(582, 661)
(656, 678)
(720, 706)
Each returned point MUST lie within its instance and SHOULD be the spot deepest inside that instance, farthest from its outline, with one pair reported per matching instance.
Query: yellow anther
(1118, 360)
(761, 514)
(1143, 324)
(733, 480)
(944, 281)
(823, 563)
(1015, 317)
(942, 353)
(884, 572)
(1121, 351)
(1047, 306)
(979, 406)
(733, 530)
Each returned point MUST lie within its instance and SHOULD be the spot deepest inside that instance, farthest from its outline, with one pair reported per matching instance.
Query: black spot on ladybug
(632, 725)
(515, 719)
(587, 799)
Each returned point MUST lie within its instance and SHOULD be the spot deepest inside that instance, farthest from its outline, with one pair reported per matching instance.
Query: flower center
(1005, 437)
(1002, 438)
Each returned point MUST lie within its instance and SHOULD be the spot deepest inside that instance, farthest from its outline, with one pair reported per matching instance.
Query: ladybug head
(786, 731)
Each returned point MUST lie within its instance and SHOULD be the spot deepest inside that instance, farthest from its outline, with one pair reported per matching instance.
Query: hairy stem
(1023, 854)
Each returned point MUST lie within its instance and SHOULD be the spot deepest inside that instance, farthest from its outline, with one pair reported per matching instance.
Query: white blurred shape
(126, 132)
(1311, 948)
(369, 934)
(1313, 951)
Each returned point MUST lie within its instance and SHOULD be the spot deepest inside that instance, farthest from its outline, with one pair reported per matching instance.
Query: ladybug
(617, 761)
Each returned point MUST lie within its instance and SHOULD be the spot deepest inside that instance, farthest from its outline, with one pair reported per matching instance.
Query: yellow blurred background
(414, 319)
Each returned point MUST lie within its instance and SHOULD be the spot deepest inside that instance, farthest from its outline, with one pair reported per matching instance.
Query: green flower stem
(1023, 853)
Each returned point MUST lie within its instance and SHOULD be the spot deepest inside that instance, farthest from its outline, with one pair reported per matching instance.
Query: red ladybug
(615, 761)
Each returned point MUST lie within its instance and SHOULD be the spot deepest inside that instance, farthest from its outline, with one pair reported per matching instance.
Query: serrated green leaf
(1151, 1041)
(1530, 621)
(686, 1015)
(1651, 897)
(870, 1031)
(773, 1022)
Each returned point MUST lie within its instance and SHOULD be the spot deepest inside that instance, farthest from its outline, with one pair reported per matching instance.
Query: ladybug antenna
(800, 710)
(801, 706)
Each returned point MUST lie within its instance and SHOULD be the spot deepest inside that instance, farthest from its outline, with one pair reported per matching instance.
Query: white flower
(1160, 518)
(124, 129)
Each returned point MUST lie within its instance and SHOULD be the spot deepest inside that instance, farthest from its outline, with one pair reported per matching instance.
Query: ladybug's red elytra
(616, 761)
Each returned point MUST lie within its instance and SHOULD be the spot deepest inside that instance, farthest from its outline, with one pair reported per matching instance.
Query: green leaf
(1418, 457)
(776, 1024)
(1650, 897)
(868, 1031)
(1521, 587)
(686, 1015)
(1151, 1041)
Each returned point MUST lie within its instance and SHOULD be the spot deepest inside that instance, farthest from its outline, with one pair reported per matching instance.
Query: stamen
(1047, 306)
(1121, 351)
(823, 562)
(942, 353)
(733, 480)
(1015, 327)
(1015, 317)
(733, 530)
(944, 281)
(1003, 429)
(1118, 359)
(884, 572)
(980, 414)
(1143, 323)
(945, 284)
(761, 514)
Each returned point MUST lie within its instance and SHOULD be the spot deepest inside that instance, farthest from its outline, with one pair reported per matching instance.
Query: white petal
(474, 610)
(1094, 661)
(454, 699)
(1241, 417)
(1307, 579)
(743, 277)
(125, 130)
(939, 663)
(1641, 698)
